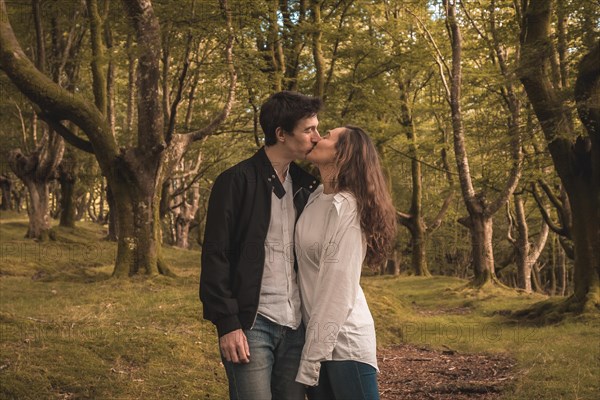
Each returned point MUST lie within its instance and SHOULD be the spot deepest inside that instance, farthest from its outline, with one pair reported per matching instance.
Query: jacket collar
(300, 178)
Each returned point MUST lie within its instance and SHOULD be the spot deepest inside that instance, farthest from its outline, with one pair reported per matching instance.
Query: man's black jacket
(233, 251)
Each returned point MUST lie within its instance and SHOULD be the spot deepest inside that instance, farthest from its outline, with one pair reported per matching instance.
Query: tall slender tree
(480, 209)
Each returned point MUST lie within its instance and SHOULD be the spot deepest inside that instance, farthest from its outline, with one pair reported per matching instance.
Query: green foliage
(370, 49)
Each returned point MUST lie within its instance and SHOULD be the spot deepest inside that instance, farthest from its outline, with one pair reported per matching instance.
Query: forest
(117, 116)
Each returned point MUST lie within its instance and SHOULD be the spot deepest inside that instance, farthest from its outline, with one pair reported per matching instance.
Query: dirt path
(411, 372)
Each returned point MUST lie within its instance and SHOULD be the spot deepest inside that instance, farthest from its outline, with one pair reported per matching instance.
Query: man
(248, 282)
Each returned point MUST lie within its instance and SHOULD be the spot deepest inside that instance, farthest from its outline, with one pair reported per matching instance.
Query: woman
(348, 220)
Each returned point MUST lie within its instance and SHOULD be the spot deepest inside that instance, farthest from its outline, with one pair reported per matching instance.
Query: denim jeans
(275, 352)
(345, 380)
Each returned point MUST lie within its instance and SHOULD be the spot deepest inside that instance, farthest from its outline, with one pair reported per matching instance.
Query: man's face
(325, 152)
(305, 137)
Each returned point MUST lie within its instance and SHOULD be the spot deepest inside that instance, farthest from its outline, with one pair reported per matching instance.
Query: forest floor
(415, 372)
(70, 331)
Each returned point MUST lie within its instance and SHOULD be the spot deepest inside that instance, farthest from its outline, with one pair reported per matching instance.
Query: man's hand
(234, 347)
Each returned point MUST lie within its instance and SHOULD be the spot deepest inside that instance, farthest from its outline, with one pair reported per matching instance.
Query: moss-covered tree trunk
(139, 236)
(576, 156)
(135, 174)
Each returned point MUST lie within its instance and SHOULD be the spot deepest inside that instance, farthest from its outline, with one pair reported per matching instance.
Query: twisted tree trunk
(135, 174)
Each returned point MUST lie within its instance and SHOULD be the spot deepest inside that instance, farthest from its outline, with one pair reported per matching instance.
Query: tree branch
(70, 137)
(98, 61)
(555, 228)
(150, 116)
(439, 59)
(540, 243)
(587, 83)
(49, 96)
(212, 126)
(437, 221)
(177, 100)
(511, 224)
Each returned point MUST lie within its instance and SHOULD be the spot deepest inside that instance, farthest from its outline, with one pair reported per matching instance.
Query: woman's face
(324, 151)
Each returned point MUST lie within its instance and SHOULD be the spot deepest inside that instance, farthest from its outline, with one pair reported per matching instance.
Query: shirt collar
(300, 178)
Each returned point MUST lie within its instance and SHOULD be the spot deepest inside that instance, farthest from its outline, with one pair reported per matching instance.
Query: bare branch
(555, 228)
(553, 199)
(437, 221)
(98, 61)
(70, 137)
(49, 96)
(539, 244)
(511, 225)
(212, 126)
(177, 100)
(438, 58)
(404, 219)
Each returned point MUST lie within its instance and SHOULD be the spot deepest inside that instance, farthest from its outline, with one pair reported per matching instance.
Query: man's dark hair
(284, 109)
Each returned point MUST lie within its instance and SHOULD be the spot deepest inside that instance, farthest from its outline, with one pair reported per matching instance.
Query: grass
(69, 331)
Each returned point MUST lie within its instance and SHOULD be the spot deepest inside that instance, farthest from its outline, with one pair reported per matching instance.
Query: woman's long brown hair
(359, 172)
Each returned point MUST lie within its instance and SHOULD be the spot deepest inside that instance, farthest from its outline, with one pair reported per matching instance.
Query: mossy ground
(70, 331)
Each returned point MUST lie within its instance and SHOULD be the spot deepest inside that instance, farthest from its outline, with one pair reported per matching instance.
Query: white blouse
(330, 249)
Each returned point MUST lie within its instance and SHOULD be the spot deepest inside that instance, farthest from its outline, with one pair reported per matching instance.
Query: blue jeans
(345, 380)
(275, 352)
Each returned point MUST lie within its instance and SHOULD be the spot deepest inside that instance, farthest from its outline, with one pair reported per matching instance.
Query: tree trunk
(523, 247)
(526, 253)
(191, 97)
(586, 225)
(113, 227)
(480, 210)
(392, 265)
(577, 162)
(131, 83)
(538, 286)
(67, 179)
(553, 281)
(134, 173)
(562, 270)
(319, 88)
(81, 206)
(481, 230)
(419, 251)
(184, 211)
(182, 230)
(6, 187)
(36, 171)
(39, 219)
(139, 232)
(294, 40)
(415, 220)
(275, 46)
